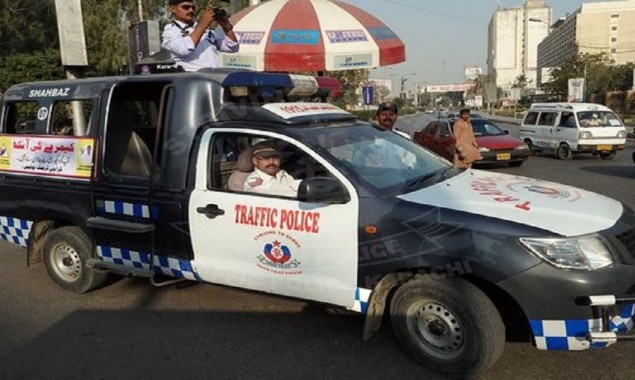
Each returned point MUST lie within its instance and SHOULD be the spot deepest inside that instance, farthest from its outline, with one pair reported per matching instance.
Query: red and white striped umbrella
(311, 35)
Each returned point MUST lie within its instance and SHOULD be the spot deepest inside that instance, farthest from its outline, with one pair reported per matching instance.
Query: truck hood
(561, 209)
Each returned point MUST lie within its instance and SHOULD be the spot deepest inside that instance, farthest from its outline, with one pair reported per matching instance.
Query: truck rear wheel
(447, 325)
(66, 251)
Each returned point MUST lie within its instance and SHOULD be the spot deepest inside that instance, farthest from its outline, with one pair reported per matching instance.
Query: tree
(381, 92)
(351, 81)
(521, 82)
(601, 75)
(36, 66)
(28, 28)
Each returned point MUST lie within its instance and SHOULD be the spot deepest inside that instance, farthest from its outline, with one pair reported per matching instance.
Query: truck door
(547, 129)
(270, 243)
(131, 222)
(566, 130)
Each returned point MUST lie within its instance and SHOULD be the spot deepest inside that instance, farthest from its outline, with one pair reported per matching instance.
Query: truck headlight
(621, 134)
(583, 252)
(586, 135)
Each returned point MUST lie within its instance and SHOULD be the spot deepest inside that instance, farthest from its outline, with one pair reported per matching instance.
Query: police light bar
(268, 85)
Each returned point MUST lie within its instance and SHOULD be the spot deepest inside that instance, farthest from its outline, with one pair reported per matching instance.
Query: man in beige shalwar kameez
(466, 151)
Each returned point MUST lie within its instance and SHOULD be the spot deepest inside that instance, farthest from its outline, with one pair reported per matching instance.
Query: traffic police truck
(132, 176)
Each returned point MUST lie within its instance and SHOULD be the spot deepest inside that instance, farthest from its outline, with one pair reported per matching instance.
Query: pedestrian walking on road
(466, 149)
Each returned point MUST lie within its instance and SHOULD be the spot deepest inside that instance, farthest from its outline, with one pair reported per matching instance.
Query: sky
(443, 36)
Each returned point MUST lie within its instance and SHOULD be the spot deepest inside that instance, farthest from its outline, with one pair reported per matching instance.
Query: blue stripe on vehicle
(15, 230)
(163, 265)
(138, 210)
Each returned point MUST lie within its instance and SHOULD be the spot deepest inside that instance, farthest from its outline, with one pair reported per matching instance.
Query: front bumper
(614, 322)
(596, 148)
(503, 156)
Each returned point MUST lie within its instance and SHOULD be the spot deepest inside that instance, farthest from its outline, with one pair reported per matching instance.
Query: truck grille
(628, 239)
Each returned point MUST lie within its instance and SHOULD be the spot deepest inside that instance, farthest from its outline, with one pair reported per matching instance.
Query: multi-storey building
(607, 27)
(513, 37)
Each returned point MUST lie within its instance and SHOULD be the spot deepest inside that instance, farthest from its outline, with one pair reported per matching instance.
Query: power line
(427, 10)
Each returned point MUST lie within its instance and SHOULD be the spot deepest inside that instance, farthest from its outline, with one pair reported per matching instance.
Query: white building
(607, 27)
(513, 37)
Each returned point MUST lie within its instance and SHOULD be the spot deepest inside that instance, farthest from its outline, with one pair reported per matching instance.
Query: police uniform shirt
(176, 39)
(280, 184)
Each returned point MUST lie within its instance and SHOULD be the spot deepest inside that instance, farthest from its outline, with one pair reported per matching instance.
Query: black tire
(515, 164)
(633, 157)
(607, 155)
(447, 325)
(563, 152)
(66, 251)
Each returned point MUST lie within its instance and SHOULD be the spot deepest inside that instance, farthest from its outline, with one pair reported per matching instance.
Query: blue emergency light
(271, 85)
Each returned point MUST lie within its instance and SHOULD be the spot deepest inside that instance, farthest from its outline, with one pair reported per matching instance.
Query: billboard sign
(576, 90)
(461, 87)
(368, 93)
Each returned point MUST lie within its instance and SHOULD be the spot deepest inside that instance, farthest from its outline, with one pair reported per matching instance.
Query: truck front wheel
(66, 251)
(447, 325)
(563, 152)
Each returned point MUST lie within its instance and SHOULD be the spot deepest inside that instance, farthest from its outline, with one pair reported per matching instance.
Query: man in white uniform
(191, 45)
(267, 178)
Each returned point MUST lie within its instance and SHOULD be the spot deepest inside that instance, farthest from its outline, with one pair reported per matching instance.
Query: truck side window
(567, 119)
(126, 152)
(131, 129)
(547, 119)
(70, 118)
(531, 118)
(225, 173)
(21, 117)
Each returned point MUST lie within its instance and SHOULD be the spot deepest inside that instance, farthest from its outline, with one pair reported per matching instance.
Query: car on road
(573, 128)
(495, 144)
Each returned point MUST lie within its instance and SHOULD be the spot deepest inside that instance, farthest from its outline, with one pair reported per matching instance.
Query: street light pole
(533, 19)
(403, 82)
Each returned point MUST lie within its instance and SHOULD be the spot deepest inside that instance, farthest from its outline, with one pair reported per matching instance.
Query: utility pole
(140, 7)
(70, 27)
(524, 44)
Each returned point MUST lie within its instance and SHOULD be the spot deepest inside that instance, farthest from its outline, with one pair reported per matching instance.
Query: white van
(568, 128)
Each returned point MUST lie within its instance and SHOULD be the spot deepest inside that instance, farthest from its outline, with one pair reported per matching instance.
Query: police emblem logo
(277, 253)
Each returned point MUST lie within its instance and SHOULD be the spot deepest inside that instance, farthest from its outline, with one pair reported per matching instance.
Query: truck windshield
(598, 119)
(380, 158)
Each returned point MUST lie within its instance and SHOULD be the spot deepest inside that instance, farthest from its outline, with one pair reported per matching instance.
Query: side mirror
(506, 131)
(322, 190)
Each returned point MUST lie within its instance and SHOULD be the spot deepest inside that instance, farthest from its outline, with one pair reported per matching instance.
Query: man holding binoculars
(191, 45)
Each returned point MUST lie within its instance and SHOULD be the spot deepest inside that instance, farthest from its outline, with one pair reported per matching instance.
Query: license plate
(605, 147)
(503, 156)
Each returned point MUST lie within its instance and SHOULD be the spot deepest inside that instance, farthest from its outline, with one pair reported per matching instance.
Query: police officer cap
(177, 2)
(387, 106)
(266, 149)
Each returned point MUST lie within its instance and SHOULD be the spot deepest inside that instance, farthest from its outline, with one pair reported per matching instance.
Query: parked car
(495, 144)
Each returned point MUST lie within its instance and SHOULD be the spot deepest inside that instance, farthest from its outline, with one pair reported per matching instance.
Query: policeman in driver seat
(267, 177)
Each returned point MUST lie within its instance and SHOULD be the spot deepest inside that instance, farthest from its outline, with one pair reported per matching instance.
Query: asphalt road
(131, 330)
